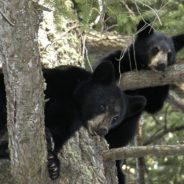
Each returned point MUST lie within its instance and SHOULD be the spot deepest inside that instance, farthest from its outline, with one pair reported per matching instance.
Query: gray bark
(139, 161)
(81, 158)
(99, 44)
(24, 90)
(135, 80)
(82, 161)
(142, 151)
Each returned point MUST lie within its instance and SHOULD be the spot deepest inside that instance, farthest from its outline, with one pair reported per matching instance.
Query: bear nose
(102, 131)
(161, 67)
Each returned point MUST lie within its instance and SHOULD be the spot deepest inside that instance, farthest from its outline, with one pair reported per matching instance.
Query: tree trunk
(82, 161)
(81, 158)
(24, 90)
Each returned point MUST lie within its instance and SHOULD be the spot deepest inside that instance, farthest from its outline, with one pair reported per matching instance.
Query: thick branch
(140, 79)
(96, 41)
(142, 151)
(101, 43)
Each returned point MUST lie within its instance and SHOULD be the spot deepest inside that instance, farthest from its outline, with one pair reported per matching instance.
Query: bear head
(102, 104)
(155, 50)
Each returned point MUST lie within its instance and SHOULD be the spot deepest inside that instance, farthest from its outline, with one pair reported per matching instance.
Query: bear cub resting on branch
(151, 50)
(75, 98)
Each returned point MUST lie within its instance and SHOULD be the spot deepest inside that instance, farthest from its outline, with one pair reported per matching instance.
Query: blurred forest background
(121, 17)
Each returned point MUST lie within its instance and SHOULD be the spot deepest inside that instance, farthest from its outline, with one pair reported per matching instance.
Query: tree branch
(100, 44)
(142, 151)
(140, 79)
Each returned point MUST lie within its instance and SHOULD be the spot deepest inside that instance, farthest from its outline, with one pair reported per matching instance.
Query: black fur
(140, 56)
(73, 97)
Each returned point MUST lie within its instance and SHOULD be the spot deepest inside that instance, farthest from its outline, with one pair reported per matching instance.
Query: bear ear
(178, 41)
(136, 105)
(104, 73)
(144, 28)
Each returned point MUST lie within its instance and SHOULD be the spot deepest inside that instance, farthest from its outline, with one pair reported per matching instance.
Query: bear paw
(53, 166)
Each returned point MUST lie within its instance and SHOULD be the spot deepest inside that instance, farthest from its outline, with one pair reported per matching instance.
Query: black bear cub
(151, 50)
(75, 98)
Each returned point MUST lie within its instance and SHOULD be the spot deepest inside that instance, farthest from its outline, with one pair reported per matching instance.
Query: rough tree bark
(81, 161)
(135, 80)
(99, 44)
(81, 157)
(82, 154)
(24, 89)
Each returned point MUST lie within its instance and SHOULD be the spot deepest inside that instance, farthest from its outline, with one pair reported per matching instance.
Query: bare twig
(63, 35)
(101, 14)
(154, 12)
(163, 133)
(85, 51)
(7, 19)
(128, 9)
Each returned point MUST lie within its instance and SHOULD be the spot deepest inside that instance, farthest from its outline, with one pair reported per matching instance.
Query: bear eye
(115, 118)
(102, 108)
(154, 50)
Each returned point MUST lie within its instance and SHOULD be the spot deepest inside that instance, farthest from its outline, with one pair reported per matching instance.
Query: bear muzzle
(101, 131)
(161, 67)
(159, 62)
